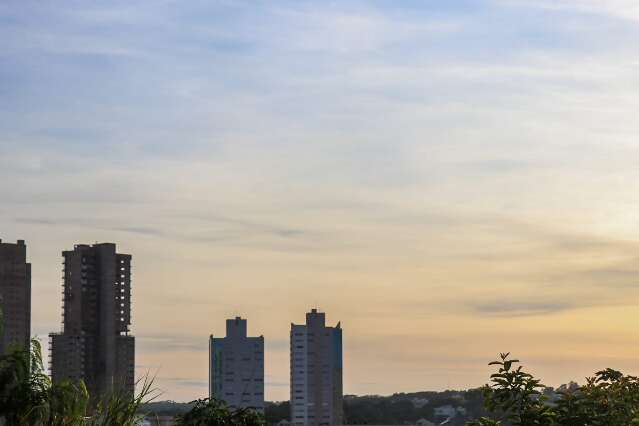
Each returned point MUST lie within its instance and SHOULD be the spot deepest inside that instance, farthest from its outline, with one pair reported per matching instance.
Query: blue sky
(457, 168)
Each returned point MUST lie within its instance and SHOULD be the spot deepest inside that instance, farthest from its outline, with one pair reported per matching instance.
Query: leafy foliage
(515, 397)
(29, 398)
(213, 412)
(276, 411)
(122, 409)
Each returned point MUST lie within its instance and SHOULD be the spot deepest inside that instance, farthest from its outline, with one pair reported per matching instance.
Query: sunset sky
(449, 179)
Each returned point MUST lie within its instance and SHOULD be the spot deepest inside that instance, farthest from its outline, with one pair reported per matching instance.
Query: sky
(449, 179)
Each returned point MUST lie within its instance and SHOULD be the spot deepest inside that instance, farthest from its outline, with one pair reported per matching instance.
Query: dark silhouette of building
(316, 372)
(15, 296)
(95, 345)
(236, 367)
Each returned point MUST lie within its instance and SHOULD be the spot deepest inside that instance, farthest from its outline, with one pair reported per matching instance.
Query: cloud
(37, 221)
(620, 9)
(226, 229)
(614, 275)
(447, 165)
(156, 232)
(163, 343)
(520, 308)
(277, 384)
(185, 382)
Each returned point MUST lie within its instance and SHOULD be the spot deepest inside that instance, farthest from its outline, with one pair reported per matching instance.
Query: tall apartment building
(236, 367)
(316, 372)
(15, 296)
(95, 344)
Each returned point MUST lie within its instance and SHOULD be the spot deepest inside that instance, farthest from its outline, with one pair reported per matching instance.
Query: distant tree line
(397, 409)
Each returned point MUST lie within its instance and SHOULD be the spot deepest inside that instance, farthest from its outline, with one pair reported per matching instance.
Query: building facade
(236, 367)
(15, 296)
(316, 372)
(95, 344)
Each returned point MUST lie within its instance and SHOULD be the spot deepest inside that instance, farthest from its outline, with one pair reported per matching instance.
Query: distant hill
(454, 408)
(400, 408)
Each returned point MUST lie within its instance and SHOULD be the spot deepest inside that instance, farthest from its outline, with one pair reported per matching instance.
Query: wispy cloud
(172, 343)
(448, 165)
(521, 308)
(622, 9)
(226, 229)
(186, 382)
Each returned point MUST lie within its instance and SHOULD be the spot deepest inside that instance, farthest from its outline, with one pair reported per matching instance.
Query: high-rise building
(95, 345)
(15, 296)
(236, 367)
(316, 372)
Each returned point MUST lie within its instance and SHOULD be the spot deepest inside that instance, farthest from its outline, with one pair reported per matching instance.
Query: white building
(316, 372)
(449, 411)
(236, 367)
(419, 402)
(157, 421)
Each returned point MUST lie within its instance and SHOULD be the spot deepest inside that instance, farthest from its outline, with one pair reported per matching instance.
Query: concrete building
(316, 372)
(157, 421)
(236, 367)
(15, 296)
(449, 411)
(95, 344)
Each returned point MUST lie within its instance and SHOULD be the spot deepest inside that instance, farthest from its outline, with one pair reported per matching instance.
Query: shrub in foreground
(28, 397)
(514, 397)
(213, 412)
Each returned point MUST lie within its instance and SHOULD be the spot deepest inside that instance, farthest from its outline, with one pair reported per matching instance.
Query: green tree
(122, 409)
(213, 412)
(514, 397)
(29, 398)
(610, 398)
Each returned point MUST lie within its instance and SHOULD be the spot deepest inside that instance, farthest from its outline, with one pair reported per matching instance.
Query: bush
(29, 398)
(213, 412)
(516, 398)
